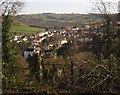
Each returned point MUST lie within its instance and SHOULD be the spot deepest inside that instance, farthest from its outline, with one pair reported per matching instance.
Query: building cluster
(52, 39)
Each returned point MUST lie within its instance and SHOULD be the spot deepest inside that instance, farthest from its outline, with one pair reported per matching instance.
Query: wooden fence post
(80, 72)
(43, 71)
(54, 71)
(71, 71)
(63, 70)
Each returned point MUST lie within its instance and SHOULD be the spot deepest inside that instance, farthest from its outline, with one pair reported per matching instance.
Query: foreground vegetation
(88, 75)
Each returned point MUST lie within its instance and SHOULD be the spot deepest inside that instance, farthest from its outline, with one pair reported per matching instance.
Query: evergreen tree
(9, 55)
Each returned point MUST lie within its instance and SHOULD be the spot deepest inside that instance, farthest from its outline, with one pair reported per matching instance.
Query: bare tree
(10, 7)
(109, 18)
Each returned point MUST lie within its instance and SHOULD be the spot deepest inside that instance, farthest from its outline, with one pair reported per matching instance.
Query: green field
(27, 29)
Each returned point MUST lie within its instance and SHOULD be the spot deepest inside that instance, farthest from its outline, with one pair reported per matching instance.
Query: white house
(64, 41)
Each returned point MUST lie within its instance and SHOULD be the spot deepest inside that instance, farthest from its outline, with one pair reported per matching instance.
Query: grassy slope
(26, 29)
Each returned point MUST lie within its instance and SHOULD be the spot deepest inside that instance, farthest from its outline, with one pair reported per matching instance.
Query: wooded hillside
(56, 20)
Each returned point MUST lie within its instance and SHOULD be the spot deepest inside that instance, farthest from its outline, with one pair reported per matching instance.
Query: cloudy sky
(59, 6)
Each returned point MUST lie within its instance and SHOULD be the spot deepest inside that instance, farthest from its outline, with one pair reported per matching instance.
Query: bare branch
(101, 81)
(11, 8)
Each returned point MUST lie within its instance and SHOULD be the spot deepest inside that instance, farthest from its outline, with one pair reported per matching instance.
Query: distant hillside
(56, 20)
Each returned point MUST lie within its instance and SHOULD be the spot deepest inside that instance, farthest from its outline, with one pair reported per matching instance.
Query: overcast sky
(59, 6)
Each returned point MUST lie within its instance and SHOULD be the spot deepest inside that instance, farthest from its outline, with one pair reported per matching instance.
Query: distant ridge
(55, 20)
